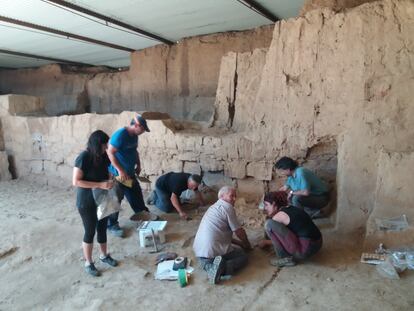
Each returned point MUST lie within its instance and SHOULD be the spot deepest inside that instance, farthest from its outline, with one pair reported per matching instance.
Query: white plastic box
(145, 236)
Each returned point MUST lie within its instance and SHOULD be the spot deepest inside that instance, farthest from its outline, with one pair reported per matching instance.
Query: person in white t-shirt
(213, 243)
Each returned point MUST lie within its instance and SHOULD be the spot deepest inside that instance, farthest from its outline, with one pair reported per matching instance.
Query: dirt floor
(41, 267)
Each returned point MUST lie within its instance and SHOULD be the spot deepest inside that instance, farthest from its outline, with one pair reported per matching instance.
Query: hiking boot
(91, 270)
(144, 216)
(109, 260)
(215, 271)
(282, 262)
(116, 230)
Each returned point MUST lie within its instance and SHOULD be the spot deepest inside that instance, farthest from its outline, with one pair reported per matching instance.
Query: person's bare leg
(104, 249)
(87, 252)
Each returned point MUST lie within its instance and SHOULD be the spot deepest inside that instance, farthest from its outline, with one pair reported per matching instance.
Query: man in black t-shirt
(169, 187)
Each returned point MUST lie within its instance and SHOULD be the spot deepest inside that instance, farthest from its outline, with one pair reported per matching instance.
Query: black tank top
(301, 223)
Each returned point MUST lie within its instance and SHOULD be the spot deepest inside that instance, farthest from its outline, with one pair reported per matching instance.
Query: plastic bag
(107, 202)
(403, 258)
(387, 270)
(188, 196)
(409, 257)
(393, 224)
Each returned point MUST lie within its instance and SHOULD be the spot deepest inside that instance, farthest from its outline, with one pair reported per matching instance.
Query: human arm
(284, 188)
(282, 218)
(303, 184)
(242, 241)
(77, 181)
(175, 201)
(304, 192)
(111, 155)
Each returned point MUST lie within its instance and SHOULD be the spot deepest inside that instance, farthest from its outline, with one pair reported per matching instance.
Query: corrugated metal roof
(170, 19)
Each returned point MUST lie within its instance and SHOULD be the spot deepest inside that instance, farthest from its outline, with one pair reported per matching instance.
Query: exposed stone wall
(4, 167)
(394, 197)
(347, 77)
(335, 5)
(180, 79)
(332, 87)
(20, 105)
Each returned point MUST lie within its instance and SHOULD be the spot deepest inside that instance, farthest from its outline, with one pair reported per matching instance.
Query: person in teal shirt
(305, 190)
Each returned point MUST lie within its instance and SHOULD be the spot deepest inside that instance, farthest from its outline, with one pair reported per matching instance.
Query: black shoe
(215, 270)
(91, 269)
(144, 216)
(109, 260)
(282, 262)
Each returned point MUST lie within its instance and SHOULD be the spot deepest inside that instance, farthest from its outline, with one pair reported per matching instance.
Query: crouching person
(213, 241)
(291, 231)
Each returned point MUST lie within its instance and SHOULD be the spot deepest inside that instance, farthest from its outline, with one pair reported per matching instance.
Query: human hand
(184, 216)
(264, 243)
(123, 176)
(106, 185)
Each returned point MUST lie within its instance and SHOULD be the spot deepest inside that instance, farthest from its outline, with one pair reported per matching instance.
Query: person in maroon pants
(290, 230)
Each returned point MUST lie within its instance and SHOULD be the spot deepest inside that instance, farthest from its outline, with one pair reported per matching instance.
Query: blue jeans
(233, 261)
(134, 197)
(162, 200)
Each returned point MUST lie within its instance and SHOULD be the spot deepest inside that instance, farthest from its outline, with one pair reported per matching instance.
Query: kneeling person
(305, 190)
(292, 232)
(169, 187)
(214, 238)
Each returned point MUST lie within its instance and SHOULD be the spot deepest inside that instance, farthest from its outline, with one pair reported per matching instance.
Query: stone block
(260, 170)
(250, 189)
(235, 169)
(172, 165)
(192, 167)
(217, 180)
(17, 105)
(4, 167)
(189, 143)
(188, 156)
(210, 164)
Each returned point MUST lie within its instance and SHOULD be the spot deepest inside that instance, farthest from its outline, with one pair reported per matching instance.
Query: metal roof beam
(63, 33)
(57, 60)
(110, 20)
(258, 8)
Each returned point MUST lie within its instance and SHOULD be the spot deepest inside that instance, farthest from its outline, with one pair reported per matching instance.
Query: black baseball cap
(142, 121)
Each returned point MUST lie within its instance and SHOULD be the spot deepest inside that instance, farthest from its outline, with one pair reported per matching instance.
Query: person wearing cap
(125, 164)
(168, 189)
(217, 252)
(290, 230)
(305, 190)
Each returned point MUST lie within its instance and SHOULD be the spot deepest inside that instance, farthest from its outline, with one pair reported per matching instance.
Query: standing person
(125, 163)
(292, 232)
(168, 189)
(91, 171)
(305, 190)
(214, 238)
